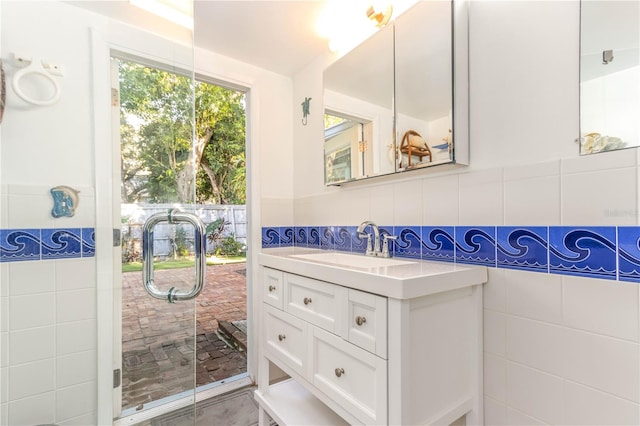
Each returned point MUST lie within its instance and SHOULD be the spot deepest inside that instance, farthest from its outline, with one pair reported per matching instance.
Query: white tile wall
(75, 401)
(554, 344)
(534, 343)
(76, 368)
(74, 274)
(495, 330)
(31, 378)
(534, 295)
(4, 385)
(601, 306)
(47, 322)
(76, 337)
(4, 279)
(605, 206)
(495, 377)
(495, 413)
(515, 417)
(440, 201)
(32, 344)
(588, 406)
(608, 364)
(32, 277)
(535, 393)
(406, 196)
(481, 198)
(35, 410)
(76, 305)
(532, 194)
(36, 310)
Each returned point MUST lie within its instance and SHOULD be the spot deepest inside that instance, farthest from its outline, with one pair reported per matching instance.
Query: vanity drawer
(288, 339)
(272, 285)
(355, 379)
(315, 301)
(367, 322)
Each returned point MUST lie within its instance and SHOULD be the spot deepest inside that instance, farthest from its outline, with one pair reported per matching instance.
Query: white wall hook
(52, 68)
(21, 60)
(44, 69)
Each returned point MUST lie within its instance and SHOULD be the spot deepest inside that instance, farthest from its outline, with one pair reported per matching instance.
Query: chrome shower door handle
(173, 216)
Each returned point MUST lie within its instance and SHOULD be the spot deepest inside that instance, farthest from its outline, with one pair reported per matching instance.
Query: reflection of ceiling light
(379, 18)
(177, 11)
(346, 23)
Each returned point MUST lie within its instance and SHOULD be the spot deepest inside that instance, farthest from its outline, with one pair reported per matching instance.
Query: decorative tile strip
(18, 245)
(603, 252)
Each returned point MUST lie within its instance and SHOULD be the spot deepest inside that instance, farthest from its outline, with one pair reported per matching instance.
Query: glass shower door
(163, 240)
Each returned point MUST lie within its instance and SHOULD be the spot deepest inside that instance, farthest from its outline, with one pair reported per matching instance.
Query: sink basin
(352, 260)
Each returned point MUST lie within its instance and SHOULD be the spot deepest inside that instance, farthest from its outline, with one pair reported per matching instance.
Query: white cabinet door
(315, 301)
(354, 378)
(272, 287)
(288, 339)
(366, 322)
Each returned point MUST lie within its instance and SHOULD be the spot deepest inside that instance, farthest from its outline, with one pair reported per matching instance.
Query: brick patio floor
(158, 338)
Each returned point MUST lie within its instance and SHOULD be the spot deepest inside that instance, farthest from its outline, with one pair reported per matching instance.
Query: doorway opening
(182, 145)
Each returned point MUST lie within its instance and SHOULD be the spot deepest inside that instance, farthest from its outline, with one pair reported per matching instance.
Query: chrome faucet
(375, 249)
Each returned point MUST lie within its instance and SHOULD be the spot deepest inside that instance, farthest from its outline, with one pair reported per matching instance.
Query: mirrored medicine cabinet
(399, 100)
(609, 75)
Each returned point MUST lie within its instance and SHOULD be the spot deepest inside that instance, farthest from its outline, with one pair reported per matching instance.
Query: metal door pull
(173, 216)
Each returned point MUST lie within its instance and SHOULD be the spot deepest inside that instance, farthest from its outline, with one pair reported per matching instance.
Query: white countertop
(413, 278)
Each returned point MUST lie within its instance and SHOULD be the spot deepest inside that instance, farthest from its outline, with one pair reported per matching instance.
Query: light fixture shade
(379, 17)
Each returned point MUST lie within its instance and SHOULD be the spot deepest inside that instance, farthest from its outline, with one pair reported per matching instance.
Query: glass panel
(157, 175)
(609, 75)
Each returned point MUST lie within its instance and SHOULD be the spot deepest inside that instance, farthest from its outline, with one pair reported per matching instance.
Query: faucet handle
(385, 244)
(369, 250)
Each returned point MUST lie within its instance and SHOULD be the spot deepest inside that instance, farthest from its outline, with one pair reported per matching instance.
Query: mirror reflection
(389, 102)
(424, 85)
(358, 88)
(609, 75)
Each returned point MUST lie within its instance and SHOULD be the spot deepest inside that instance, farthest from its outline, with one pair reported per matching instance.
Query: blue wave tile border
(327, 238)
(301, 236)
(18, 245)
(270, 237)
(629, 253)
(522, 248)
(88, 242)
(584, 251)
(409, 242)
(287, 237)
(61, 243)
(604, 252)
(343, 238)
(438, 243)
(476, 245)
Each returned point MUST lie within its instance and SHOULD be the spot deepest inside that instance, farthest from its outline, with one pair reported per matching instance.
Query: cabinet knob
(307, 300)
(339, 372)
(360, 320)
(272, 288)
(281, 337)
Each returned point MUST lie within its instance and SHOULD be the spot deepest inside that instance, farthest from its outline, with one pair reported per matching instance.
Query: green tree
(163, 107)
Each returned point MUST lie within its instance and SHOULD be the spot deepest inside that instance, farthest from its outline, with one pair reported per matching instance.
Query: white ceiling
(276, 35)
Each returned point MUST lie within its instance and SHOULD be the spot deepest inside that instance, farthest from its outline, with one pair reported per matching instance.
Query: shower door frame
(107, 168)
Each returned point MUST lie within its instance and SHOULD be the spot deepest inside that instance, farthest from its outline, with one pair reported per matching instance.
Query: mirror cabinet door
(609, 75)
(358, 102)
(424, 85)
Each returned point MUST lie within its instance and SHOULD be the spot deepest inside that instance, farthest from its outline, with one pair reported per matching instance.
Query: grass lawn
(184, 262)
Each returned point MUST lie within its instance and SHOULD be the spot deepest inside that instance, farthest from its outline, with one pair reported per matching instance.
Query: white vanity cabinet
(355, 357)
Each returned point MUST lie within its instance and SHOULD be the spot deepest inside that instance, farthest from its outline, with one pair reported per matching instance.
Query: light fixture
(177, 11)
(379, 18)
(346, 23)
